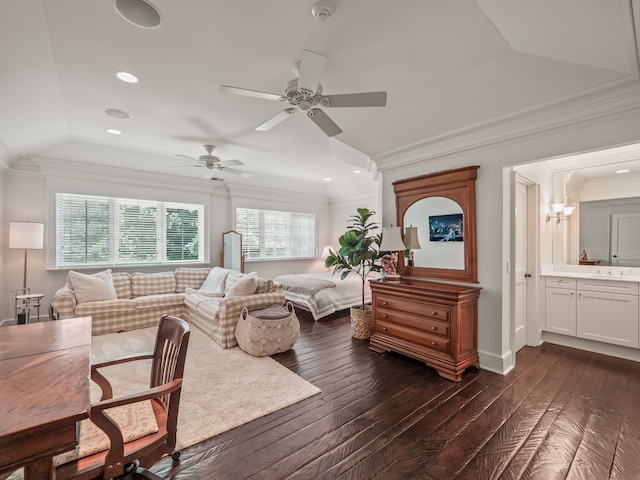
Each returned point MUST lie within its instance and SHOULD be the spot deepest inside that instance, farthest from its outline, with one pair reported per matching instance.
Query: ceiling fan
(211, 163)
(304, 94)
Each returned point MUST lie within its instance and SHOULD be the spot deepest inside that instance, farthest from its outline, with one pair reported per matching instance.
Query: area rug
(222, 388)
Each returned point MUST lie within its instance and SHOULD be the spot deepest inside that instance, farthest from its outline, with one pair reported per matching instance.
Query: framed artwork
(446, 228)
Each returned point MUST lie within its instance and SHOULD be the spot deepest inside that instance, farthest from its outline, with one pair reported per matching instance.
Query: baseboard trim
(497, 364)
(592, 346)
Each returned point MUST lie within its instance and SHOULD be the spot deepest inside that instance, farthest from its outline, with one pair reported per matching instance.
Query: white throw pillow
(213, 285)
(92, 288)
(245, 285)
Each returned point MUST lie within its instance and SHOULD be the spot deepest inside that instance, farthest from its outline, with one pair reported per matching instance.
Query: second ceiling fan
(304, 94)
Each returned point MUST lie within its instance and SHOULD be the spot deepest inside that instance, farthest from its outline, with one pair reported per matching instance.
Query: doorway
(526, 331)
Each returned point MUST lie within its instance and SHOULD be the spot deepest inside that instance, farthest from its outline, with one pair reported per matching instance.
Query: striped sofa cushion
(152, 283)
(190, 278)
(122, 284)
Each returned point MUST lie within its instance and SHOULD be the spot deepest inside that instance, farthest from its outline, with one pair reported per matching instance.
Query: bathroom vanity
(599, 304)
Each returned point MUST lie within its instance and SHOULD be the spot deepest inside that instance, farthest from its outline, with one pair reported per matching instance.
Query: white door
(521, 266)
(625, 247)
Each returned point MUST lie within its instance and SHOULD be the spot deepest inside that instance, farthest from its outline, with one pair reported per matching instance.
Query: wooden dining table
(44, 391)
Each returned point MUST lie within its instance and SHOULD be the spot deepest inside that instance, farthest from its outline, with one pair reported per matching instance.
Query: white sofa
(129, 301)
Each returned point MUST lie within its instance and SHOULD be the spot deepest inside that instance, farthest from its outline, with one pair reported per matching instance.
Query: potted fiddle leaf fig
(358, 253)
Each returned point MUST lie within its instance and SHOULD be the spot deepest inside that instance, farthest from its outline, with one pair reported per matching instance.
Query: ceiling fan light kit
(210, 163)
(305, 94)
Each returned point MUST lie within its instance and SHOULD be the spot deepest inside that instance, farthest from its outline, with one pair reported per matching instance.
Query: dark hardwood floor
(561, 413)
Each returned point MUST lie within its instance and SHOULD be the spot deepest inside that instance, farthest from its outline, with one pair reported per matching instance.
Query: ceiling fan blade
(185, 156)
(230, 163)
(234, 171)
(322, 120)
(249, 93)
(310, 71)
(369, 99)
(275, 120)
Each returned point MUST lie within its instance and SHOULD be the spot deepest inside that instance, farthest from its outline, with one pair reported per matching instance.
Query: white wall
(492, 148)
(26, 193)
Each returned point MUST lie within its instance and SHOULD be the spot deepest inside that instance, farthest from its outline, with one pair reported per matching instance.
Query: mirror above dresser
(442, 206)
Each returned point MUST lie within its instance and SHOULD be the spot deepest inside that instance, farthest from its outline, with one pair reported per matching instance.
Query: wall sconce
(560, 212)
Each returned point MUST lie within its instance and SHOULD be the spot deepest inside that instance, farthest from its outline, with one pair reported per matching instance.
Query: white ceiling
(447, 65)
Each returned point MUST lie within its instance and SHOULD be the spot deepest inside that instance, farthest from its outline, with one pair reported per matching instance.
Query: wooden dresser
(433, 322)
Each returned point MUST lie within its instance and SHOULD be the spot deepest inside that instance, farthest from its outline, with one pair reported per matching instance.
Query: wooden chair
(124, 459)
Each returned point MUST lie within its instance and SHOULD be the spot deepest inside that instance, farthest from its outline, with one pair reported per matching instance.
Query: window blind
(268, 234)
(95, 231)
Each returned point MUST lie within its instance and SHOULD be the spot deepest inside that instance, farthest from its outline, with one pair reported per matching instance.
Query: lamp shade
(26, 235)
(411, 238)
(391, 240)
(325, 251)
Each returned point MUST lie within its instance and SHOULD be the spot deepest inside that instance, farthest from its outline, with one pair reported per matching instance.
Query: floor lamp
(26, 236)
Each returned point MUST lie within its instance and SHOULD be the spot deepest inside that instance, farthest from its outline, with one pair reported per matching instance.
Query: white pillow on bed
(213, 285)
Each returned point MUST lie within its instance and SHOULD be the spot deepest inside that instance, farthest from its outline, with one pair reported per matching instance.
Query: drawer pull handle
(384, 315)
(434, 328)
(434, 313)
(384, 329)
(434, 343)
(384, 303)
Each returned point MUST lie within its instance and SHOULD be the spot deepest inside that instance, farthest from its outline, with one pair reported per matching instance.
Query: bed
(323, 293)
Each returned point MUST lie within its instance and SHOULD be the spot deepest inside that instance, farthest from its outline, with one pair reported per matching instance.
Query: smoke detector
(322, 10)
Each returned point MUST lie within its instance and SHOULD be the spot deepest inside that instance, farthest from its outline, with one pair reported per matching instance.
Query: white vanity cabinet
(607, 311)
(560, 305)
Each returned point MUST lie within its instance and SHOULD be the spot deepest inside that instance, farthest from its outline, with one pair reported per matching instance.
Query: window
(269, 234)
(101, 231)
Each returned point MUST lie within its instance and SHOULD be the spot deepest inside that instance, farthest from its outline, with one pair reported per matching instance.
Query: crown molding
(104, 173)
(353, 200)
(269, 194)
(539, 123)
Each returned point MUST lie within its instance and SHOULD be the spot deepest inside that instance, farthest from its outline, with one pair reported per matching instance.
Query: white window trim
(51, 248)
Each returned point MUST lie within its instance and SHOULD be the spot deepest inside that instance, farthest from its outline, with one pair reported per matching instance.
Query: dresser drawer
(424, 324)
(432, 342)
(426, 309)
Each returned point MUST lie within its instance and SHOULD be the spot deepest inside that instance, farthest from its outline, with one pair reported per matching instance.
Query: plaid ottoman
(271, 330)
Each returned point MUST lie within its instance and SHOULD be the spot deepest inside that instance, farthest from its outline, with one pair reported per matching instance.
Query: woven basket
(266, 332)
(361, 326)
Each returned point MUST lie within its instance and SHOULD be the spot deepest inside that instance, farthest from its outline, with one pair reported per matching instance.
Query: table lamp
(325, 253)
(411, 242)
(391, 242)
(26, 236)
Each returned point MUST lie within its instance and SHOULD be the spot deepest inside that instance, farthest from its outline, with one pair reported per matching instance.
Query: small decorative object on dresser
(433, 322)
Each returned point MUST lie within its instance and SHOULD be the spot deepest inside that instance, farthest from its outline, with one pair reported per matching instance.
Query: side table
(25, 303)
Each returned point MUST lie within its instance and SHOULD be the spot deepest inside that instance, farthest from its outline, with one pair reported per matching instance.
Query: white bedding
(345, 294)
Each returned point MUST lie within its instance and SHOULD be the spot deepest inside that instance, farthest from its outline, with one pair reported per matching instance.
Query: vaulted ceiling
(446, 65)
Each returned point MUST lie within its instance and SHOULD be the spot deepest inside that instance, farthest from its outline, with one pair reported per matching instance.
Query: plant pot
(361, 326)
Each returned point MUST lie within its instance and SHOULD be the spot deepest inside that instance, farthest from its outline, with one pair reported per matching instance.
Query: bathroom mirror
(609, 232)
(232, 256)
(443, 208)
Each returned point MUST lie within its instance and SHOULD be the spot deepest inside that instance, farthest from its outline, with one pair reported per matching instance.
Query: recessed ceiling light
(327, 179)
(113, 131)
(127, 77)
(116, 113)
(626, 170)
(357, 171)
(139, 12)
